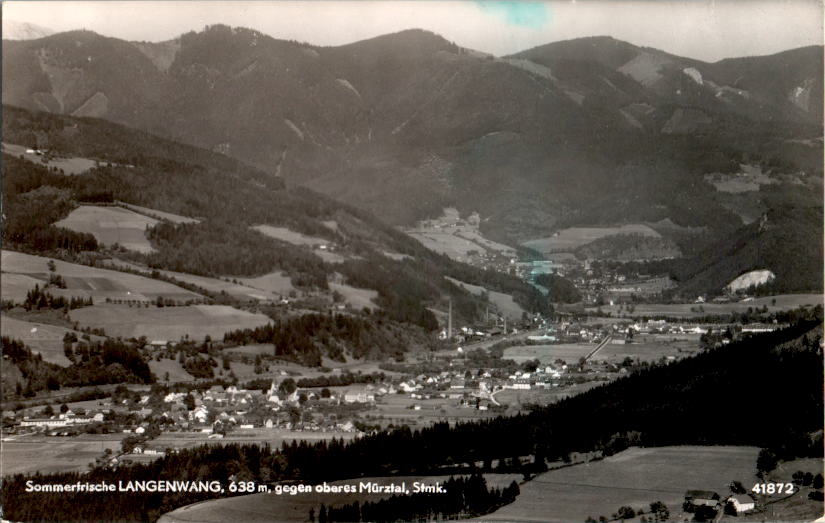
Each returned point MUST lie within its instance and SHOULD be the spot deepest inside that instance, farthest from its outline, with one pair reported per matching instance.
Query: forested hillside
(228, 198)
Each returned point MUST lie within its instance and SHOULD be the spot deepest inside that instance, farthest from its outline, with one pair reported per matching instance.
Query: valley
(582, 281)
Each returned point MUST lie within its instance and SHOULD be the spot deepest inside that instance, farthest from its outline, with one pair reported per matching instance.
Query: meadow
(570, 238)
(111, 225)
(634, 477)
(43, 339)
(46, 454)
(22, 271)
(70, 166)
(167, 323)
(355, 297)
(267, 287)
(692, 310)
(289, 236)
(504, 302)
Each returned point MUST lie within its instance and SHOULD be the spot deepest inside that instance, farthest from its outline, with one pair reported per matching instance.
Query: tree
(660, 511)
(766, 461)
(817, 482)
(704, 513)
(626, 512)
(737, 488)
(51, 265)
(189, 401)
(322, 514)
(325, 393)
(48, 411)
(64, 408)
(288, 386)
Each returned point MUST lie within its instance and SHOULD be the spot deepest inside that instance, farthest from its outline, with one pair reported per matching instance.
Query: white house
(742, 503)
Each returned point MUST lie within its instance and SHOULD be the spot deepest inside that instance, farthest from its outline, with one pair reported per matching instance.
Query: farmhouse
(702, 497)
(742, 503)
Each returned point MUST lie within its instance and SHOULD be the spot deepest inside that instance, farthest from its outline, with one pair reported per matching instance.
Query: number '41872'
(773, 488)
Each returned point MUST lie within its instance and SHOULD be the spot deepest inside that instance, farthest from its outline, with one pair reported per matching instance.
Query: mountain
(14, 30)
(592, 131)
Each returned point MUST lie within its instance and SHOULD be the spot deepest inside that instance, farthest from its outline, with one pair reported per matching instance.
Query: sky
(701, 29)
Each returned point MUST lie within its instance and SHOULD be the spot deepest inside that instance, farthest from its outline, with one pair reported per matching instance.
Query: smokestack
(450, 321)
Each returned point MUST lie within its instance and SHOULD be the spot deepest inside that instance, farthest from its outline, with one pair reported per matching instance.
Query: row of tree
(462, 497)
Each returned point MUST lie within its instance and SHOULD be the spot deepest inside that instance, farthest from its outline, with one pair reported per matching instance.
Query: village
(486, 371)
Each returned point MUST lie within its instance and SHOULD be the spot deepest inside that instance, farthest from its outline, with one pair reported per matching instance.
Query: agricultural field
(47, 454)
(395, 408)
(504, 302)
(635, 477)
(289, 236)
(111, 225)
(167, 323)
(644, 348)
(569, 352)
(650, 348)
(262, 288)
(21, 270)
(261, 507)
(568, 239)
(69, 166)
(275, 283)
(693, 310)
(43, 339)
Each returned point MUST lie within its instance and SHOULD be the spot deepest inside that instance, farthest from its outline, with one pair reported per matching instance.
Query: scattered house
(742, 503)
(702, 497)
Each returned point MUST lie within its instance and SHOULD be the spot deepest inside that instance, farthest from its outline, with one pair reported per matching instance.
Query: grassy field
(46, 340)
(394, 408)
(263, 507)
(635, 477)
(644, 348)
(110, 225)
(71, 166)
(693, 310)
(289, 236)
(504, 302)
(447, 243)
(267, 287)
(568, 239)
(569, 352)
(167, 323)
(275, 283)
(29, 454)
(354, 297)
(173, 367)
(22, 271)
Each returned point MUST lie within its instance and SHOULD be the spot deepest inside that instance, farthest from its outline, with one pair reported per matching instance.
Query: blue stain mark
(521, 13)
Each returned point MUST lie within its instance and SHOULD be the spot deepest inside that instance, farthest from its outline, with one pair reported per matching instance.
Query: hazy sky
(700, 29)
